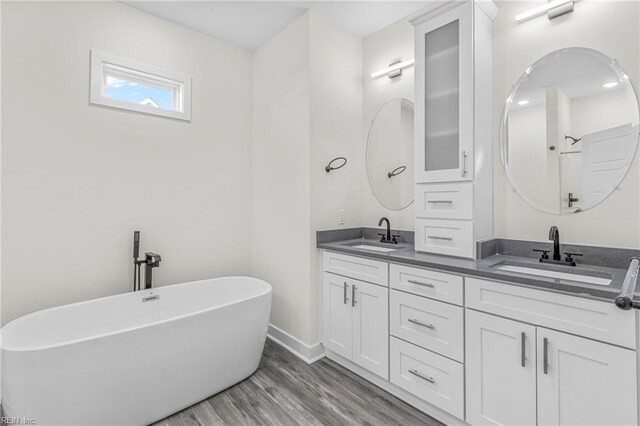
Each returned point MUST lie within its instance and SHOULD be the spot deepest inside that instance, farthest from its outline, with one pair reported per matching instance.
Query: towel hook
(330, 167)
(397, 171)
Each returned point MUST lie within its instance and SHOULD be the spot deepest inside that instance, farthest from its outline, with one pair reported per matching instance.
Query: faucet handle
(395, 238)
(569, 256)
(544, 255)
(383, 236)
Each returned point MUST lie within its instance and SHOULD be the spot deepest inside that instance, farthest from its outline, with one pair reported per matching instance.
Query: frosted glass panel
(442, 88)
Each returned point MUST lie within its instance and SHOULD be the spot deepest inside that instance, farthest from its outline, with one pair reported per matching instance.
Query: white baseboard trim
(308, 354)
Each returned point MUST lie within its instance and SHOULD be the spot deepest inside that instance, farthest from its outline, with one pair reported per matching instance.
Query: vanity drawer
(431, 377)
(423, 282)
(433, 325)
(445, 200)
(585, 317)
(359, 268)
(450, 237)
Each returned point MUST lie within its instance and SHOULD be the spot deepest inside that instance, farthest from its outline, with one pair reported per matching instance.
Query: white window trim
(154, 75)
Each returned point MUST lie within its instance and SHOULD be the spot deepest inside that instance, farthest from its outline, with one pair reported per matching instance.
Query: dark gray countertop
(482, 268)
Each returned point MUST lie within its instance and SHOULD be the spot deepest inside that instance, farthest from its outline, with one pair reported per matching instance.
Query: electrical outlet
(340, 217)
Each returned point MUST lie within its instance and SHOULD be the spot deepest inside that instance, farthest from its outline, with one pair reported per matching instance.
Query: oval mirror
(569, 130)
(390, 154)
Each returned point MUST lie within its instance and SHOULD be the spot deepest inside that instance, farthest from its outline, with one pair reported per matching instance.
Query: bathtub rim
(267, 290)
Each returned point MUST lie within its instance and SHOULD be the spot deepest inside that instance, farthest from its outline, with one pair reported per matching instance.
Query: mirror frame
(503, 133)
(366, 154)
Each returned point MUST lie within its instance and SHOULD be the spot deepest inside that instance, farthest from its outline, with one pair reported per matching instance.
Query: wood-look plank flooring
(287, 391)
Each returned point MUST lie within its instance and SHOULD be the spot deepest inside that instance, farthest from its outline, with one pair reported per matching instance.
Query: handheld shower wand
(136, 262)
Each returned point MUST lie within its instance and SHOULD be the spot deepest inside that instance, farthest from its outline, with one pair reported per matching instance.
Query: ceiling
(249, 24)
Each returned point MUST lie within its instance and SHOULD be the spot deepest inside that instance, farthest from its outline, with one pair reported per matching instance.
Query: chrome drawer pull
(464, 163)
(422, 376)
(545, 357)
(440, 201)
(523, 349)
(345, 298)
(435, 237)
(353, 295)
(419, 283)
(422, 324)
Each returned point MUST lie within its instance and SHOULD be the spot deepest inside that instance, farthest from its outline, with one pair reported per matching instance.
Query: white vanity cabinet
(501, 371)
(427, 336)
(584, 382)
(467, 350)
(519, 373)
(453, 133)
(355, 313)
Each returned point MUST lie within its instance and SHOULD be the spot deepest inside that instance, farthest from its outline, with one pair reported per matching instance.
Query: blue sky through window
(138, 93)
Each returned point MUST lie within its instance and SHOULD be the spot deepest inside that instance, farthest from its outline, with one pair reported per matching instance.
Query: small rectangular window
(122, 83)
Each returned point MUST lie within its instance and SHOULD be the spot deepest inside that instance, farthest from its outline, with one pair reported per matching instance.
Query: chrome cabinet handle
(422, 324)
(353, 295)
(545, 360)
(422, 376)
(523, 349)
(440, 201)
(435, 237)
(419, 283)
(464, 163)
(345, 298)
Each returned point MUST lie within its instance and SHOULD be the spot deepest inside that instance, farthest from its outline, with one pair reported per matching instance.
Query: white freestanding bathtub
(134, 358)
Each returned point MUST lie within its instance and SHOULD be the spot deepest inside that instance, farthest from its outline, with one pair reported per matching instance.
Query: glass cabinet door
(444, 96)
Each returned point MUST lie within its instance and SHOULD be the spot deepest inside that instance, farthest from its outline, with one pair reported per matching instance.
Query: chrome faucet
(554, 235)
(151, 260)
(556, 258)
(387, 238)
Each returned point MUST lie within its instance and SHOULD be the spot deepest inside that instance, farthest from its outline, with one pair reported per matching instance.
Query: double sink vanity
(501, 340)
(466, 327)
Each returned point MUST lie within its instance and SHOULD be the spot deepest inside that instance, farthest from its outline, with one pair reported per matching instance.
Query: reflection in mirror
(390, 154)
(569, 130)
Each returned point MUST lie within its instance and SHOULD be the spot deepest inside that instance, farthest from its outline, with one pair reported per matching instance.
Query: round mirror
(569, 131)
(390, 154)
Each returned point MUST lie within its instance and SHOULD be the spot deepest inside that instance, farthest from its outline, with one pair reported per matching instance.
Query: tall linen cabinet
(453, 127)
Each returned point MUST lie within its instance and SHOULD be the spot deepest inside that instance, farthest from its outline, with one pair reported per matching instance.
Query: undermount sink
(580, 276)
(372, 248)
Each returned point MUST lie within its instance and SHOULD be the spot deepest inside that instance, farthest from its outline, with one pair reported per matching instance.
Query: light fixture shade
(394, 67)
(541, 10)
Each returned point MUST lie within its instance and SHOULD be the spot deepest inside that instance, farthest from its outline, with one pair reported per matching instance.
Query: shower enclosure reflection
(569, 130)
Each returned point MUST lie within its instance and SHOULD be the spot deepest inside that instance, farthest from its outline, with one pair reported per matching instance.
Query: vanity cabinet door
(501, 371)
(337, 314)
(444, 97)
(583, 382)
(371, 327)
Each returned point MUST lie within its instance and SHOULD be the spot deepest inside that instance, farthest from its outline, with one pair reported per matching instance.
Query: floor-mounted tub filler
(134, 358)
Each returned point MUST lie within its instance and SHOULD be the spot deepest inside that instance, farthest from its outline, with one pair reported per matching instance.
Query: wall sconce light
(553, 9)
(394, 69)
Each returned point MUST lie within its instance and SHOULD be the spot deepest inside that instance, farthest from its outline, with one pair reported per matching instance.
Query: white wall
(281, 178)
(379, 50)
(335, 130)
(610, 27)
(78, 179)
(304, 115)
